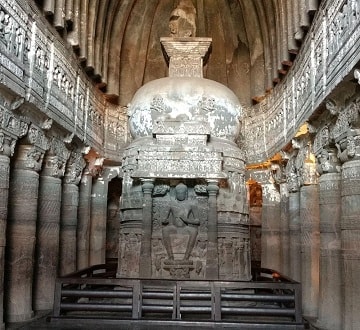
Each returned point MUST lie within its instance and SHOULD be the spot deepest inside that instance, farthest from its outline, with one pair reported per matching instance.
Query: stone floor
(40, 323)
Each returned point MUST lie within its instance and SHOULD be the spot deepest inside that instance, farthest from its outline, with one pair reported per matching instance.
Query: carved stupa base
(179, 269)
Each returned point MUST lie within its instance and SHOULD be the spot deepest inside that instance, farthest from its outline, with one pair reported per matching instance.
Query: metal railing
(95, 292)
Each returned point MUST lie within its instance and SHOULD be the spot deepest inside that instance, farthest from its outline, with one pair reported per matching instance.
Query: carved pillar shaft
(330, 296)
(350, 243)
(47, 247)
(98, 221)
(212, 257)
(23, 205)
(69, 212)
(145, 249)
(83, 226)
(310, 248)
(270, 237)
(4, 193)
(69, 208)
(294, 236)
(284, 229)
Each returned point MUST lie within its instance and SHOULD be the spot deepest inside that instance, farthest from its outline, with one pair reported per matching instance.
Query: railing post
(298, 303)
(57, 298)
(177, 302)
(215, 302)
(136, 300)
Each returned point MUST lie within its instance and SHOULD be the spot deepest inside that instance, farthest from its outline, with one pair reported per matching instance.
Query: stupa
(184, 211)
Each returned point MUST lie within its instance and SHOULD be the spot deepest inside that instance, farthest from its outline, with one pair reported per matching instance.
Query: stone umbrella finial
(182, 20)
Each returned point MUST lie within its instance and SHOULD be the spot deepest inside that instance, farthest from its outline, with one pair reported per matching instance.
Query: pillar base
(14, 318)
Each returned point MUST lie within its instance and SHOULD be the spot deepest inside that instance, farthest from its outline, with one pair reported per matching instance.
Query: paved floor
(41, 323)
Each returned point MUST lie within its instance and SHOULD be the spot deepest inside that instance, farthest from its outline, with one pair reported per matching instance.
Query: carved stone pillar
(294, 221)
(212, 257)
(69, 209)
(278, 173)
(347, 138)
(310, 232)
(23, 195)
(145, 249)
(270, 231)
(83, 226)
(350, 242)
(284, 230)
(330, 294)
(48, 226)
(99, 216)
(4, 192)
(7, 146)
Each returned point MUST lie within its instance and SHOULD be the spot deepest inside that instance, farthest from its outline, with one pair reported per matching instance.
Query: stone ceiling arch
(118, 40)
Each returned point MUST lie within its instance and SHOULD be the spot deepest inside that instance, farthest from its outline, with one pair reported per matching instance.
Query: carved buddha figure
(182, 214)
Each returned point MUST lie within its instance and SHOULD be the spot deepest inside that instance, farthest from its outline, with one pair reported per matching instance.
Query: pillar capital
(32, 149)
(7, 144)
(55, 159)
(36, 136)
(325, 151)
(306, 164)
(29, 158)
(212, 187)
(94, 163)
(74, 168)
(292, 178)
(346, 131)
(12, 125)
(11, 129)
(147, 186)
(278, 172)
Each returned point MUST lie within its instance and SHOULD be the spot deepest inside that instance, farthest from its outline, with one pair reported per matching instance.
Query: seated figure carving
(182, 215)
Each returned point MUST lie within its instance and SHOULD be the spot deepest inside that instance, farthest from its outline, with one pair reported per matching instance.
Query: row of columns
(319, 240)
(46, 221)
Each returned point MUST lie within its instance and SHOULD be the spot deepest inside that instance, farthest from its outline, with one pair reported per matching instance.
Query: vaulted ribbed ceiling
(117, 41)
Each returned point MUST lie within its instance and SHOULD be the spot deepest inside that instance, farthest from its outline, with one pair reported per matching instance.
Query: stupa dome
(186, 99)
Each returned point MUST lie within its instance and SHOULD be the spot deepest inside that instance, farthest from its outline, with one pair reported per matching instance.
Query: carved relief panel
(179, 237)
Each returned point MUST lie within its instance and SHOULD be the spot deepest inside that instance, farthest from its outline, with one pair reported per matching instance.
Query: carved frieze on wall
(329, 53)
(35, 64)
